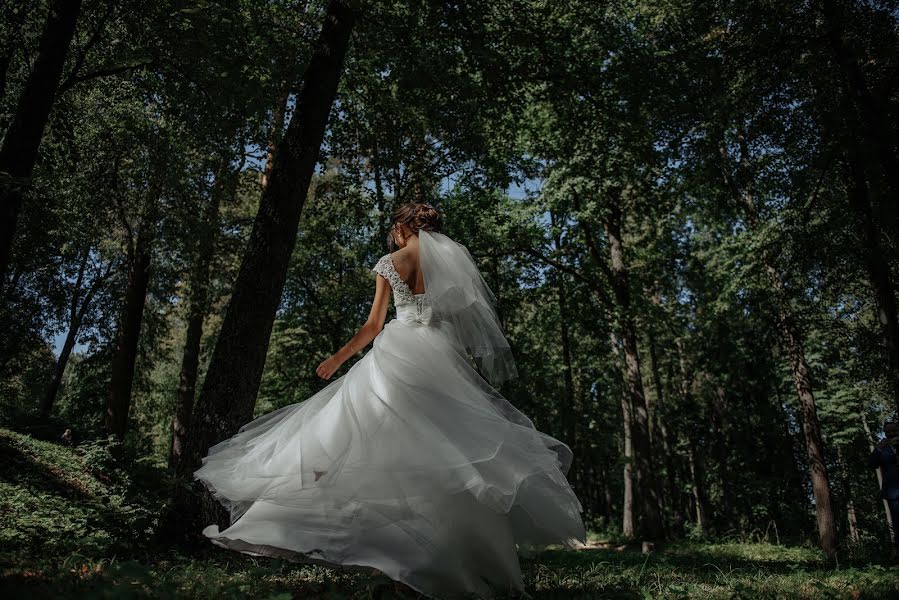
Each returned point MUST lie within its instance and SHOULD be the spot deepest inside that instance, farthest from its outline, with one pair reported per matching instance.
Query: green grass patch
(76, 526)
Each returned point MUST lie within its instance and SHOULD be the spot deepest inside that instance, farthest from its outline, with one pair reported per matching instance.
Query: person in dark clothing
(885, 456)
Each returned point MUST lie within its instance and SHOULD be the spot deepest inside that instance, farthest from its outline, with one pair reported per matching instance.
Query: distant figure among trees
(885, 456)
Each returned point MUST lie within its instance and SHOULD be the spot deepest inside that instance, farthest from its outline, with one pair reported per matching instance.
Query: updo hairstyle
(417, 216)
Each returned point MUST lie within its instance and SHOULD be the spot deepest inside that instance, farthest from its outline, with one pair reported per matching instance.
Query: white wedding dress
(410, 463)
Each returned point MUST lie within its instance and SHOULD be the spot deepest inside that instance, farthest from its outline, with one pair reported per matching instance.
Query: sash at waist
(416, 311)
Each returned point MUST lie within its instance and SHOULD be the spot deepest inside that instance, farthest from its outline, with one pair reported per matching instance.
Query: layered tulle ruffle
(410, 463)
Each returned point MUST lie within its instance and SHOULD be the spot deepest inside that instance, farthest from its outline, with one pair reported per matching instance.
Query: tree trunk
(568, 413)
(717, 406)
(867, 115)
(876, 263)
(811, 430)
(232, 380)
(851, 516)
(77, 309)
(874, 178)
(23, 138)
(569, 409)
(650, 523)
(278, 115)
(118, 402)
(197, 311)
(697, 483)
(658, 429)
(654, 408)
(793, 345)
(628, 526)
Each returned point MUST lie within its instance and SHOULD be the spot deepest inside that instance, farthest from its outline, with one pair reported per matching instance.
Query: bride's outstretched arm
(369, 331)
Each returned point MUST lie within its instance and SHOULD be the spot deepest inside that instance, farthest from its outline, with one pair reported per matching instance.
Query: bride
(411, 464)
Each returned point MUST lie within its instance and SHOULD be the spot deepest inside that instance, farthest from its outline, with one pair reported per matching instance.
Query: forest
(688, 211)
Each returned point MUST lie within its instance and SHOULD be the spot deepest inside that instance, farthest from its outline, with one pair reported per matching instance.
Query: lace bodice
(401, 292)
(410, 308)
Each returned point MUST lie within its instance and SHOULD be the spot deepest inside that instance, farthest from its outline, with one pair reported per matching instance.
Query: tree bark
(18, 154)
(197, 311)
(637, 447)
(232, 381)
(650, 523)
(278, 115)
(118, 402)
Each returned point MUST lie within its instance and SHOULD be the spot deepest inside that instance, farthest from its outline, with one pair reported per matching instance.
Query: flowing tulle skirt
(410, 463)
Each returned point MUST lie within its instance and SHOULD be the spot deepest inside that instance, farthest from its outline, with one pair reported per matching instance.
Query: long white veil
(458, 293)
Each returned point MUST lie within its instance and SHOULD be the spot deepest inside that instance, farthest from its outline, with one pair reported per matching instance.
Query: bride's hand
(328, 367)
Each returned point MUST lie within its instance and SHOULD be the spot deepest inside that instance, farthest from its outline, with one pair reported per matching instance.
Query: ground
(73, 526)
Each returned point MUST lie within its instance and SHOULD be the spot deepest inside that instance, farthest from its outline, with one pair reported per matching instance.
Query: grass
(72, 526)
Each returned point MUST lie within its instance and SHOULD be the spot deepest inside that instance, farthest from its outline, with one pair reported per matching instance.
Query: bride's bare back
(407, 265)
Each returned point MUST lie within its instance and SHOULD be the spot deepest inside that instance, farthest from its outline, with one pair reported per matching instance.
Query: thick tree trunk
(23, 138)
(197, 311)
(650, 522)
(232, 380)
(118, 402)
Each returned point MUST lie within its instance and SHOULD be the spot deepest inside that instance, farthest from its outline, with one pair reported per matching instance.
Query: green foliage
(719, 130)
(57, 501)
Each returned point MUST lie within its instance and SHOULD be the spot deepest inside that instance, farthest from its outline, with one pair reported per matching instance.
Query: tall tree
(139, 252)
(232, 380)
(647, 486)
(23, 137)
(872, 169)
(741, 182)
(198, 308)
(80, 303)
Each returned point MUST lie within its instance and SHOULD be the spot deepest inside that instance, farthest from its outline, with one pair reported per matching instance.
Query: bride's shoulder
(382, 264)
